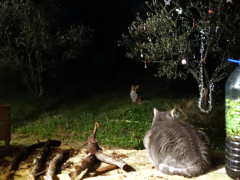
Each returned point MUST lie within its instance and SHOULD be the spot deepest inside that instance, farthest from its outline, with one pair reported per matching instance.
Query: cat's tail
(192, 170)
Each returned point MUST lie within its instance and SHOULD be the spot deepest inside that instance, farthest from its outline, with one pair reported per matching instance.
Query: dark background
(105, 64)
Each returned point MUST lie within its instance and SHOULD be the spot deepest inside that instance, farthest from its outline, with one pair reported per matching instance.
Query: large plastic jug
(232, 119)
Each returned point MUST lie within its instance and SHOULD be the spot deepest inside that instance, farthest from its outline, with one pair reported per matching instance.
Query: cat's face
(134, 87)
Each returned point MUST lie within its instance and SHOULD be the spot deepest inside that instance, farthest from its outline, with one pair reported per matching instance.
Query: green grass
(122, 124)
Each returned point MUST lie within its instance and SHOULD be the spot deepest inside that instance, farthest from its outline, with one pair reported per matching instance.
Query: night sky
(109, 19)
(106, 60)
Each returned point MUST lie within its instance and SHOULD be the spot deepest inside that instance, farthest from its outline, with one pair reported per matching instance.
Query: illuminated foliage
(33, 44)
(186, 38)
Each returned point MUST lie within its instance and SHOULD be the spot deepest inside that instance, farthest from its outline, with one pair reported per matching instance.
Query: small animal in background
(175, 147)
(134, 94)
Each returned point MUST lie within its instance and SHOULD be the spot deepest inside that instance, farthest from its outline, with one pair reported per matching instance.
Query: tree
(186, 38)
(30, 42)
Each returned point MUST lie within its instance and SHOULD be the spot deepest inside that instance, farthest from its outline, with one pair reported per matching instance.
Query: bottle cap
(234, 60)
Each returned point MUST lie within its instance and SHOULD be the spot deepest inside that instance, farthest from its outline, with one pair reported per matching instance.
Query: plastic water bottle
(232, 117)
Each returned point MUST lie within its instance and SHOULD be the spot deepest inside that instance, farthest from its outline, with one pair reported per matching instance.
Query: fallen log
(40, 162)
(23, 155)
(55, 165)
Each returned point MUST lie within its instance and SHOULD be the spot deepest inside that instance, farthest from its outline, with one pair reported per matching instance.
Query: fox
(175, 147)
(135, 98)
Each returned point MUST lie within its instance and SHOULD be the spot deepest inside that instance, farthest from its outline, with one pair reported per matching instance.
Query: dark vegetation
(70, 115)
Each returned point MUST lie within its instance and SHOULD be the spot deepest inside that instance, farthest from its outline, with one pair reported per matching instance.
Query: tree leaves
(32, 43)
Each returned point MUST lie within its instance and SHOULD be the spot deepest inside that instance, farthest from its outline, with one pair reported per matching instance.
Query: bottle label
(232, 117)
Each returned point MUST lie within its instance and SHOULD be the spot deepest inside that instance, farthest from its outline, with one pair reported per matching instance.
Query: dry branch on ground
(48, 160)
(93, 159)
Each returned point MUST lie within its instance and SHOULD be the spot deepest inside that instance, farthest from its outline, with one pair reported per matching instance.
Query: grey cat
(175, 147)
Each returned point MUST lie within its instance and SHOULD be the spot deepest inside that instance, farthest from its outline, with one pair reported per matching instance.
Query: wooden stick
(82, 174)
(117, 162)
(96, 125)
(95, 157)
(92, 144)
(103, 170)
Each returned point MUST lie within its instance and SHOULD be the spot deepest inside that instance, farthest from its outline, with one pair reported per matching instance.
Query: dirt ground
(137, 159)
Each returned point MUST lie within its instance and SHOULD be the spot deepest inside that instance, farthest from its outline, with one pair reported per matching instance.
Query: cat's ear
(173, 113)
(155, 116)
(155, 112)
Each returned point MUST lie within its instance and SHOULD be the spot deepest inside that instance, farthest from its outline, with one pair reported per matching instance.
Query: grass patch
(122, 124)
